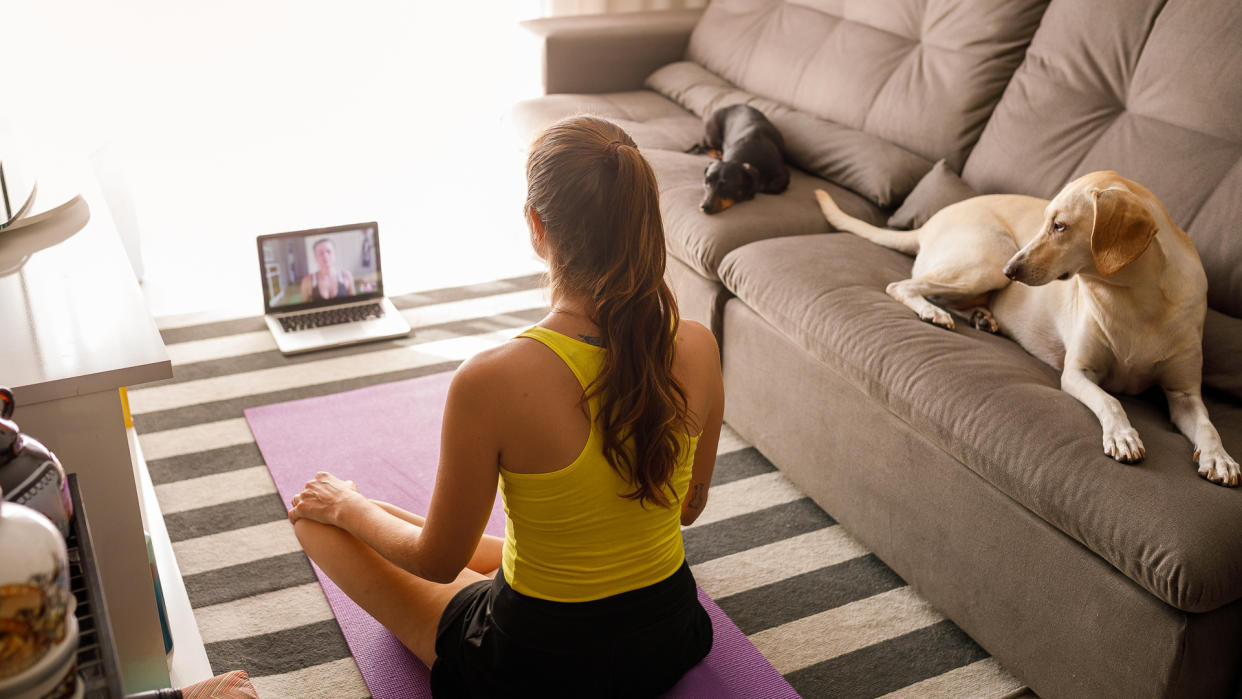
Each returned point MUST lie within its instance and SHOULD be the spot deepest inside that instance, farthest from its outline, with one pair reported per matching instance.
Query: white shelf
(187, 663)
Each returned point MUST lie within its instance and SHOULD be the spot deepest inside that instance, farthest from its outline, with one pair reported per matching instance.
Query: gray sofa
(953, 454)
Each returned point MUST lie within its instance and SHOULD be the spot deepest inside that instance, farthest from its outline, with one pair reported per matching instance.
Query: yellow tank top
(570, 535)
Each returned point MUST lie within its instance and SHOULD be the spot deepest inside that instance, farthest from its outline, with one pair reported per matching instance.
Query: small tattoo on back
(592, 340)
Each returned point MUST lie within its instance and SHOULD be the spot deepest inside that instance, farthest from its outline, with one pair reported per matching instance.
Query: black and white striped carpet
(828, 614)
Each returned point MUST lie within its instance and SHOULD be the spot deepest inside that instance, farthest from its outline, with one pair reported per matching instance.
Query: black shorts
(494, 641)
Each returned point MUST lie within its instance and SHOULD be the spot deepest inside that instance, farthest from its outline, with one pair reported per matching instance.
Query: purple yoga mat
(387, 439)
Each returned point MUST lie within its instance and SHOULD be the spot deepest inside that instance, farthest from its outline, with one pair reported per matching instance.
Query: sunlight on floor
(233, 119)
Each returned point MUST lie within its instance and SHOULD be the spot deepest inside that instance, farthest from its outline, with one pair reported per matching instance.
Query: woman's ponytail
(597, 197)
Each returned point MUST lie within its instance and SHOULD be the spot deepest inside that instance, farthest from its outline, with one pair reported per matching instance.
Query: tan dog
(1112, 293)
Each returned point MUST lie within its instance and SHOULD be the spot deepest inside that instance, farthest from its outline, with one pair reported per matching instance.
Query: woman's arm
(460, 505)
(704, 465)
(705, 356)
(487, 555)
(469, 469)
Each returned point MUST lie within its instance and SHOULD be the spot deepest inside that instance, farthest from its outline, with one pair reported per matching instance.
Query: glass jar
(38, 628)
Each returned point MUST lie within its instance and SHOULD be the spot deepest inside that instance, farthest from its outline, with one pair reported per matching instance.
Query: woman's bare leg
(487, 555)
(407, 605)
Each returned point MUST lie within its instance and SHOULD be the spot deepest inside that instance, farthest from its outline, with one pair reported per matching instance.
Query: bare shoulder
(695, 342)
(696, 366)
(696, 359)
(498, 367)
(494, 375)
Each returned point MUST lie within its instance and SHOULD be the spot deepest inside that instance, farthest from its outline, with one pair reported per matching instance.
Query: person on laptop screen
(329, 281)
(323, 288)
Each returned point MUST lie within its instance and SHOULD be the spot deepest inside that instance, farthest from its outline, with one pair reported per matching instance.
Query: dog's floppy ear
(1122, 230)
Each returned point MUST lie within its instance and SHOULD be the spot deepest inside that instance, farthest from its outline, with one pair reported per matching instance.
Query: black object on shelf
(98, 667)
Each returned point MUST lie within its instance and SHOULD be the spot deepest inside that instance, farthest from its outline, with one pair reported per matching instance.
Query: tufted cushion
(939, 188)
(866, 164)
(923, 74)
(1150, 88)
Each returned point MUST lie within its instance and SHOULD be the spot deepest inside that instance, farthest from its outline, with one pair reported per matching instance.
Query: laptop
(324, 287)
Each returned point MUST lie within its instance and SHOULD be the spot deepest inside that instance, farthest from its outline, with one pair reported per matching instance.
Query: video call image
(319, 266)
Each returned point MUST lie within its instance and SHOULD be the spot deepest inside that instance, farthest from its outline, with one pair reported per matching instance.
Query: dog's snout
(1012, 269)
(713, 205)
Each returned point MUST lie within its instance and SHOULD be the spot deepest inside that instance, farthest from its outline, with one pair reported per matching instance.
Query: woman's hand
(325, 499)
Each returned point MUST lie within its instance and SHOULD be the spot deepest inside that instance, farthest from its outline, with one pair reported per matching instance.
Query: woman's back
(572, 535)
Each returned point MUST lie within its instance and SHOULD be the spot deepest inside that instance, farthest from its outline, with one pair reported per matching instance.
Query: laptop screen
(320, 267)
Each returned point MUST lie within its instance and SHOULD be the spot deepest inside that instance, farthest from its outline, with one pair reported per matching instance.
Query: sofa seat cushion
(651, 120)
(1143, 103)
(1001, 412)
(701, 241)
(663, 130)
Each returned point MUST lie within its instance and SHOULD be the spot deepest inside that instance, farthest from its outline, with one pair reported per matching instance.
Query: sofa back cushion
(882, 172)
(923, 74)
(1149, 88)
(939, 188)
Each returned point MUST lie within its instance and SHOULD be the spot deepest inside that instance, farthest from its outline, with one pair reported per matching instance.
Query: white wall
(233, 118)
(225, 75)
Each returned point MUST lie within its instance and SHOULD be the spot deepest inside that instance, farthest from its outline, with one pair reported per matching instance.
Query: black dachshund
(749, 149)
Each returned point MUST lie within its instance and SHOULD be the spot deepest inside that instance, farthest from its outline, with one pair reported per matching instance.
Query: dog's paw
(938, 316)
(1124, 445)
(983, 320)
(1219, 467)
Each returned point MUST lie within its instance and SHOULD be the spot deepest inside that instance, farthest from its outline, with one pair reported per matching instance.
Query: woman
(328, 282)
(601, 425)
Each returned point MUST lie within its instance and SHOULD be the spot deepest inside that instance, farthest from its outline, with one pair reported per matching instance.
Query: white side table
(74, 328)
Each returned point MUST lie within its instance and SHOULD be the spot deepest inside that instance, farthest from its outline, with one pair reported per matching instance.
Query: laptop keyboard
(331, 316)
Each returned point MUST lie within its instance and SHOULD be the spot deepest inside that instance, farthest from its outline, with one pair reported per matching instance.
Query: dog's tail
(901, 241)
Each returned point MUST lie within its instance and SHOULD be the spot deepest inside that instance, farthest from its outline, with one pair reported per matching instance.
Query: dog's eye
(1058, 226)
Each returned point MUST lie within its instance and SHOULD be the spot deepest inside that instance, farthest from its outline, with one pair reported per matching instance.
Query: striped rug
(829, 615)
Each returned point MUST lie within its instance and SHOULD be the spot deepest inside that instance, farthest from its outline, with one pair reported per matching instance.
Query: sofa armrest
(610, 52)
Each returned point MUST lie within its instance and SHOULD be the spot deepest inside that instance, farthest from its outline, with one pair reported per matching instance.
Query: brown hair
(597, 198)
